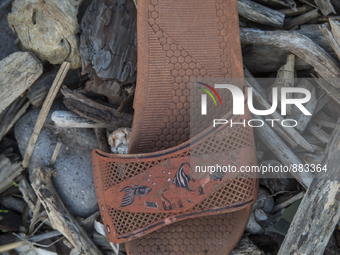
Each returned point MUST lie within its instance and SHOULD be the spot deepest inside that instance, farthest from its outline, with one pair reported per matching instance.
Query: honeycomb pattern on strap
(193, 236)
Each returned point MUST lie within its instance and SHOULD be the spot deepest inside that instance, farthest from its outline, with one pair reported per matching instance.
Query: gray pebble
(74, 180)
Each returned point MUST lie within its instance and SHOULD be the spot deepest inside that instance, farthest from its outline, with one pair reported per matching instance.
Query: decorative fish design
(218, 175)
(130, 193)
(181, 179)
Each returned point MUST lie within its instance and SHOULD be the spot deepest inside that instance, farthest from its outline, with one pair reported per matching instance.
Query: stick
(259, 13)
(319, 211)
(93, 110)
(282, 152)
(288, 202)
(325, 7)
(325, 29)
(299, 10)
(298, 44)
(302, 19)
(319, 133)
(72, 120)
(55, 154)
(44, 111)
(60, 218)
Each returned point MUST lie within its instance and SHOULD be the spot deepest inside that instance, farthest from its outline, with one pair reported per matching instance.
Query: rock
(7, 45)
(265, 202)
(74, 180)
(119, 140)
(48, 29)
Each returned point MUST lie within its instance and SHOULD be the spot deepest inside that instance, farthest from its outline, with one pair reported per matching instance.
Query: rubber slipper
(142, 195)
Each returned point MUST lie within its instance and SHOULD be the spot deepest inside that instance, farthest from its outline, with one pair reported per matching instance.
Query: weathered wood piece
(335, 25)
(284, 78)
(325, 7)
(302, 19)
(94, 111)
(102, 140)
(259, 13)
(330, 90)
(313, 158)
(300, 117)
(44, 111)
(299, 10)
(108, 43)
(111, 89)
(11, 114)
(59, 216)
(319, 133)
(287, 202)
(298, 44)
(34, 239)
(72, 120)
(319, 211)
(282, 152)
(27, 193)
(17, 73)
(253, 83)
(326, 31)
(48, 29)
(321, 103)
(291, 132)
(9, 172)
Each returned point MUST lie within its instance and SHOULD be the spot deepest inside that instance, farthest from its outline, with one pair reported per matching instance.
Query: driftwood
(94, 111)
(108, 42)
(287, 202)
(11, 114)
(111, 89)
(59, 217)
(284, 78)
(300, 117)
(330, 90)
(17, 73)
(290, 132)
(48, 29)
(72, 120)
(299, 10)
(39, 90)
(33, 239)
(298, 44)
(259, 13)
(326, 30)
(282, 152)
(9, 172)
(27, 193)
(44, 111)
(325, 7)
(267, 58)
(319, 133)
(319, 211)
(102, 140)
(302, 19)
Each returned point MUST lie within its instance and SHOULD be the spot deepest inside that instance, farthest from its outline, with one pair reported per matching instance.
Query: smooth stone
(74, 179)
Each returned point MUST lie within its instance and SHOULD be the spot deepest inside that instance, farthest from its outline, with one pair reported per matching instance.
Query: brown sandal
(142, 196)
